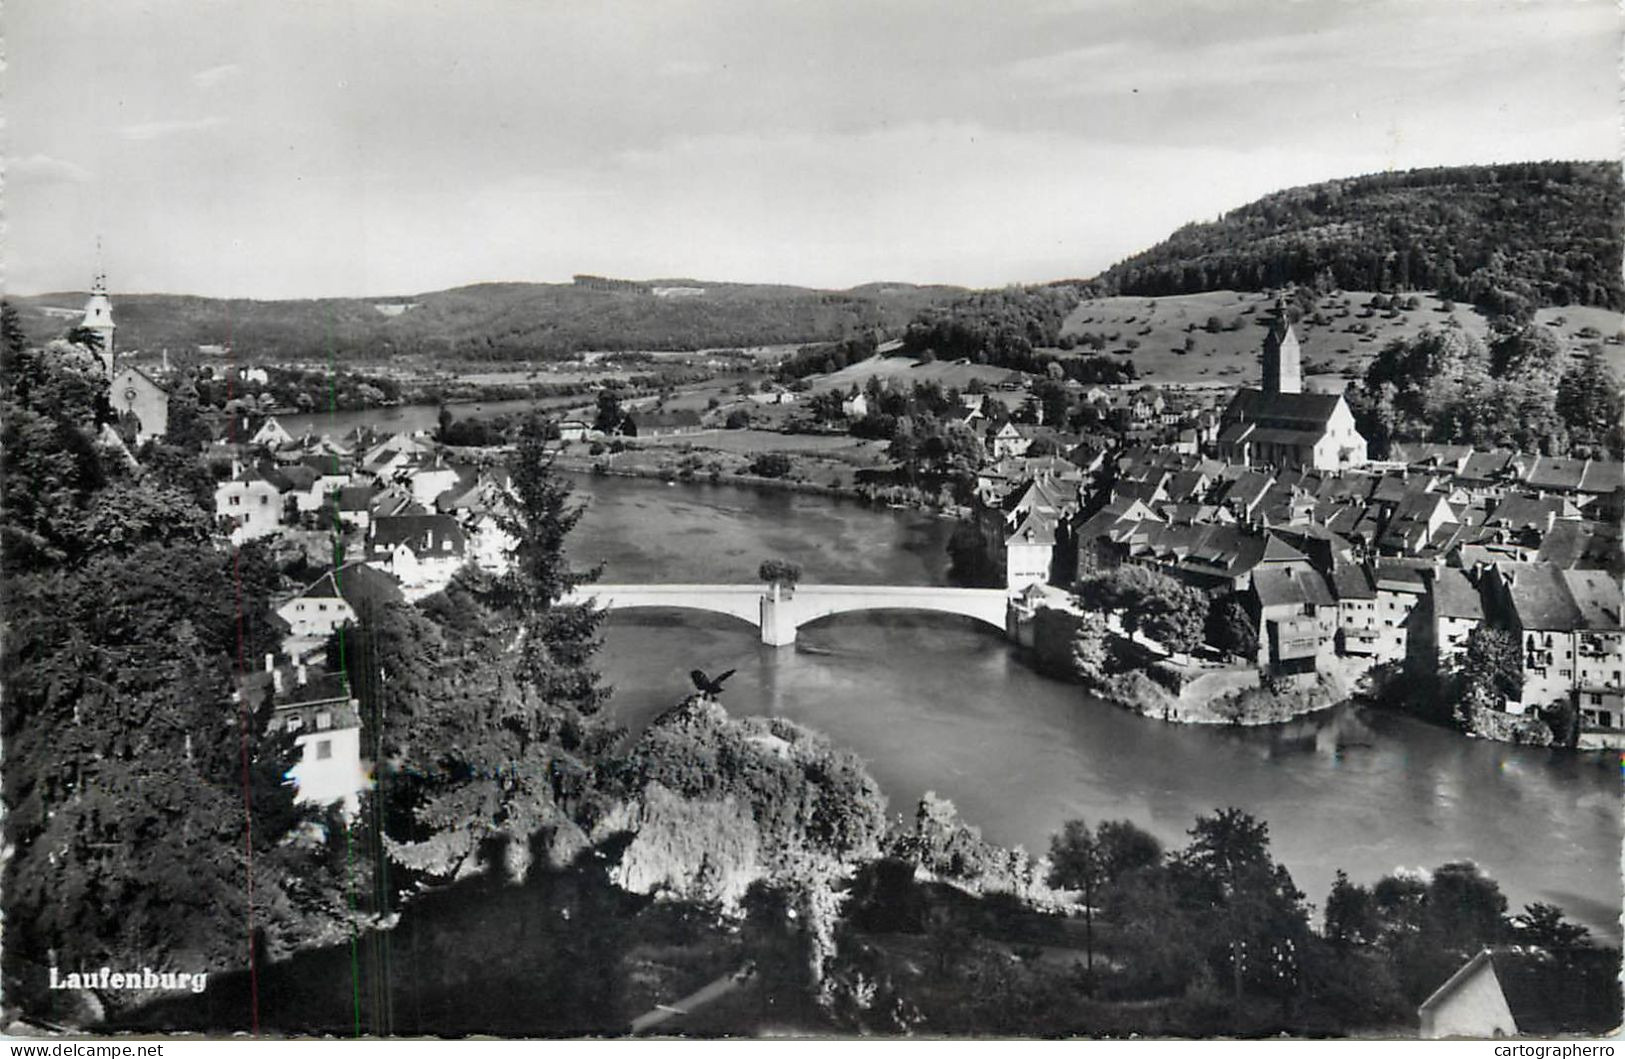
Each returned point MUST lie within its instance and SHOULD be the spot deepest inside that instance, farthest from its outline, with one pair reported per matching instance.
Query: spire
(1283, 372)
(99, 313)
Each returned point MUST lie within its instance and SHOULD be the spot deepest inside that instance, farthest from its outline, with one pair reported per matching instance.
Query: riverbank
(1148, 683)
(808, 474)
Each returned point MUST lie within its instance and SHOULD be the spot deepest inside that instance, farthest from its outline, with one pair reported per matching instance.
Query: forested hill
(1505, 237)
(499, 321)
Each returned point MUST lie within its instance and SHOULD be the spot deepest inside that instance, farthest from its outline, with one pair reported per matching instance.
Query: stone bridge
(779, 612)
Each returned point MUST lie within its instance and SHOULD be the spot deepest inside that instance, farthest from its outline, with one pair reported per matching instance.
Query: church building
(130, 391)
(1280, 426)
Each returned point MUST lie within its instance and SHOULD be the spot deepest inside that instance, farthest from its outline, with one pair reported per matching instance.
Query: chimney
(270, 662)
(303, 673)
(276, 681)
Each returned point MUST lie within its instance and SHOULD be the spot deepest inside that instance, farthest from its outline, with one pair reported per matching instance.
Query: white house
(422, 552)
(252, 500)
(855, 407)
(326, 721)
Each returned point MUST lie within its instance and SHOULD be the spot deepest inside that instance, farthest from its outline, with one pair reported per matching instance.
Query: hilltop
(500, 321)
(1509, 238)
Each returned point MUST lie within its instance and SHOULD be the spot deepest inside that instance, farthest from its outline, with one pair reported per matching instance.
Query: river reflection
(936, 703)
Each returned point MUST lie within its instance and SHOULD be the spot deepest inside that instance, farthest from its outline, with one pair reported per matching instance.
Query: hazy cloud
(214, 75)
(40, 169)
(153, 130)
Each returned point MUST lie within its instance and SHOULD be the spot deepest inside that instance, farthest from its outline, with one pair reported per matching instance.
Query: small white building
(272, 435)
(1470, 1003)
(1029, 552)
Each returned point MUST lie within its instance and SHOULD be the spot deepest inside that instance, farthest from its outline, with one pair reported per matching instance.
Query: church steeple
(99, 318)
(1283, 372)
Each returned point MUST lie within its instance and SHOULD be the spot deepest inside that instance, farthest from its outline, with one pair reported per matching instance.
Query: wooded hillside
(1508, 238)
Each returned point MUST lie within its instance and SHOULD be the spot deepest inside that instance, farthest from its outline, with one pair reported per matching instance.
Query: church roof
(1291, 411)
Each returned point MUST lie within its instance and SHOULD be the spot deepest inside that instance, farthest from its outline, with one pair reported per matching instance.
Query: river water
(937, 703)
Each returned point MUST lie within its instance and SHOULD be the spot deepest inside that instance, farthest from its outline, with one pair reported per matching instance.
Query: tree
(1089, 649)
(490, 699)
(88, 337)
(780, 572)
(1088, 860)
(610, 414)
(1351, 913)
(1247, 901)
(1231, 629)
(1543, 926)
(770, 465)
(738, 419)
(1590, 402)
(1175, 616)
(1491, 672)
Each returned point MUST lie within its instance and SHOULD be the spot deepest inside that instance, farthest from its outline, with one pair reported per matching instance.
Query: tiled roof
(1455, 597)
(1294, 586)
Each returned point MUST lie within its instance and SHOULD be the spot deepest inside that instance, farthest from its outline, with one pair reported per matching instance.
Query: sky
(296, 148)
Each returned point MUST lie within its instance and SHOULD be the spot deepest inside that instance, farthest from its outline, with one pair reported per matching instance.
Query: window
(1563, 673)
(236, 501)
(295, 723)
(1596, 700)
(324, 721)
(264, 500)
(324, 749)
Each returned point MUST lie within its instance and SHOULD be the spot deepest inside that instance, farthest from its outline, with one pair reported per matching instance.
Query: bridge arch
(779, 614)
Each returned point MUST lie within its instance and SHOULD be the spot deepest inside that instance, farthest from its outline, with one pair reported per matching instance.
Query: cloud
(685, 68)
(214, 75)
(42, 169)
(153, 130)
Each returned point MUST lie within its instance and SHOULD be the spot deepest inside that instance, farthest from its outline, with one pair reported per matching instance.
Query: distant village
(1266, 495)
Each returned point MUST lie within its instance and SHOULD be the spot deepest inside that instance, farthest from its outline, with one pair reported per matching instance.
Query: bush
(770, 465)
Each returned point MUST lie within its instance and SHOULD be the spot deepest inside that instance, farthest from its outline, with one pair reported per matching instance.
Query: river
(937, 703)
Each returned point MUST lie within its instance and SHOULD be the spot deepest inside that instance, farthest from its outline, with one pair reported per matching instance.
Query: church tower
(99, 319)
(1282, 371)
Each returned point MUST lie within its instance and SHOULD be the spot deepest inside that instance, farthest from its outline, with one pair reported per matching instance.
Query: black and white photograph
(666, 520)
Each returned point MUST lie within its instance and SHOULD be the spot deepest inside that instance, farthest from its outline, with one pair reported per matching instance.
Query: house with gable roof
(422, 552)
(251, 500)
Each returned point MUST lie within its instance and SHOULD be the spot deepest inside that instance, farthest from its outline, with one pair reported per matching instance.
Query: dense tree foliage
(151, 823)
(1505, 237)
(1521, 391)
(1001, 327)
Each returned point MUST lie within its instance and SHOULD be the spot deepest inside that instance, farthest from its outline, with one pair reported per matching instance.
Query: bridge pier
(778, 621)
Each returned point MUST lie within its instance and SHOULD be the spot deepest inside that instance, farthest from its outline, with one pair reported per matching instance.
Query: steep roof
(1300, 411)
(1456, 597)
(1597, 595)
(1479, 966)
(1352, 581)
(1540, 597)
(434, 534)
(1294, 586)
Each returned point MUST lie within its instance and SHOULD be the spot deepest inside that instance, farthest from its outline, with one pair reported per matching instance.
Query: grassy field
(1340, 336)
(907, 370)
